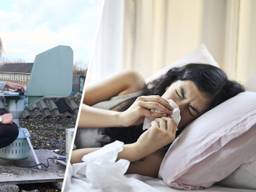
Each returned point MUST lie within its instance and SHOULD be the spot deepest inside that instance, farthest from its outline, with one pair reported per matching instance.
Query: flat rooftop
(13, 172)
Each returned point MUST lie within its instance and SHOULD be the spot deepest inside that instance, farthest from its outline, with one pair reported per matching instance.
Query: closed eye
(181, 93)
(193, 111)
(177, 93)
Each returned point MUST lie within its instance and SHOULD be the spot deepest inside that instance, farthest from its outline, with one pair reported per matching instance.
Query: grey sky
(29, 27)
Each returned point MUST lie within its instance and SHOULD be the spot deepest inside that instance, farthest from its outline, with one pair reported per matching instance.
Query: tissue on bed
(100, 168)
(175, 115)
(100, 172)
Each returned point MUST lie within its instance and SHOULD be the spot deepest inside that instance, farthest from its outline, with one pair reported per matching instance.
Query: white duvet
(100, 172)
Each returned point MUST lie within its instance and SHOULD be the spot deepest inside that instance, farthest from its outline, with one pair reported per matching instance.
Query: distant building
(16, 72)
(20, 73)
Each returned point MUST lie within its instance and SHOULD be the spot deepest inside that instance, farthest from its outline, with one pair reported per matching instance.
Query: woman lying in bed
(195, 88)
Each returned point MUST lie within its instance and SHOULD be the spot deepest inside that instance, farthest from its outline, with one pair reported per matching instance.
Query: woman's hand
(15, 86)
(6, 118)
(161, 133)
(145, 106)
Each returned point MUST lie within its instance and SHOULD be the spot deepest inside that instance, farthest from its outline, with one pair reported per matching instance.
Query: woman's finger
(153, 114)
(157, 122)
(171, 126)
(157, 107)
(147, 113)
(157, 115)
(162, 123)
(158, 99)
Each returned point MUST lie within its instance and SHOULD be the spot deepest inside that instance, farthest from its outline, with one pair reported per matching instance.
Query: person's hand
(161, 133)
(7, 118)
(152, 106)
(14, 86)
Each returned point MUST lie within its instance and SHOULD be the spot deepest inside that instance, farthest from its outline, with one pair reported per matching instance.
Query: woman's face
(191, 101)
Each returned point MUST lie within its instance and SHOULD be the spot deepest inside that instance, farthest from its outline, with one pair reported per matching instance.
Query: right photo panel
(169, 100)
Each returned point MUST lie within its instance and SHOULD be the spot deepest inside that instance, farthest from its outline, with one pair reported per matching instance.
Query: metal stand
(32, 148)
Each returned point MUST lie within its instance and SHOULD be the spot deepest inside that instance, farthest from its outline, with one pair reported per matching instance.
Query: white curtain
(145, 35)
(158, 32)
(107, 54)
(246, 51)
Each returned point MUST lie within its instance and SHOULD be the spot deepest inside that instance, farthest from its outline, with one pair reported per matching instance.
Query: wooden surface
(14, 171)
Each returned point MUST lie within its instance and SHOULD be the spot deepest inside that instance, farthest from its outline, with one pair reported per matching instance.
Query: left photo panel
(44, 55)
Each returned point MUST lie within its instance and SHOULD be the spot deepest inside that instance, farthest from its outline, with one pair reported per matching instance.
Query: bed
(92, 136)
(160, 186)
(93, 174)
(146, 184)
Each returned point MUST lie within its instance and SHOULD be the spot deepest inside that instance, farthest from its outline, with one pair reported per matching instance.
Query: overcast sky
(28, 27)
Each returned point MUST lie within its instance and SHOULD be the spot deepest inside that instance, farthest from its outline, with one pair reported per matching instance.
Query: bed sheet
(160, 186)
(142, 184)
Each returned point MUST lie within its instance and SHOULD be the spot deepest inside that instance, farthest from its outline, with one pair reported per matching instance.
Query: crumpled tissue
(175, 115)
(100, 171)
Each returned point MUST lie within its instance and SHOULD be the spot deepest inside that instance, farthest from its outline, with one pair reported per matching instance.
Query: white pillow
(213, 146)
(243, 177)
(199, 55)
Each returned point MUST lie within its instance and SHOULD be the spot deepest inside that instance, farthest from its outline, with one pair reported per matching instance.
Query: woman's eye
(178, 94)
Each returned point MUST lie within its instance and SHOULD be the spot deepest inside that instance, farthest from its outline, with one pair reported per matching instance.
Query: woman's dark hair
(209, 79)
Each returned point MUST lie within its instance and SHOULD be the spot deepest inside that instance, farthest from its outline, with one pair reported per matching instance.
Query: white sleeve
(2, 85)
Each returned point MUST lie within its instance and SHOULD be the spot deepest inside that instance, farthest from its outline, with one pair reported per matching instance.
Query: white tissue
(101, 172)
(100, 169)
(176, 111)
(175, 115)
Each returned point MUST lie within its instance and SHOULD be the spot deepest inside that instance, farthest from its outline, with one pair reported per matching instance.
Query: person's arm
(78, 154)
(120, 84)
(161, 133)
(148, 166)
(129, 152)
(14, 86)
(94, 117)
